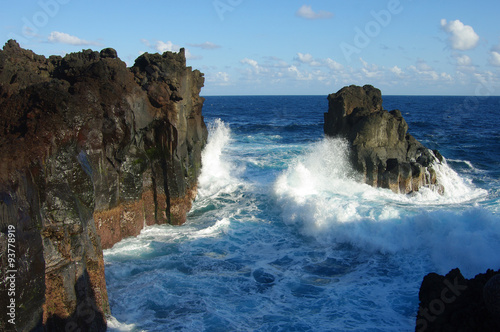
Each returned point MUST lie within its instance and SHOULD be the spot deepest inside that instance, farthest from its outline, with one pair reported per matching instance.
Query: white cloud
(423, 66)
(250, 62)
(495, 58)
(146, 42)
(365, 64)
(308, 13)
(424, 71)
(220, 78)
(305, 58)
(396, 70)
(304, 72)
(462, 37)
(370, 71)
(446, 77)
(64, 38)
(334, 65)
(206, 45)
(275, 62)
(168, 46)
(257, 69)
(297, 74)
(311, 61)
(463, 60)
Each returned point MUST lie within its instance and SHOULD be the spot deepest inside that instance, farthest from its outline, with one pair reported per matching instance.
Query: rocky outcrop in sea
(90, 152)
(382, 150)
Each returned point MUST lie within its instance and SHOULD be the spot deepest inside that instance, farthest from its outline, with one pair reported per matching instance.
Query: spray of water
(319, 194)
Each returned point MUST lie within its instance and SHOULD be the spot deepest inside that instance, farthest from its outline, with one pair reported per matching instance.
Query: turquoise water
(282, 236)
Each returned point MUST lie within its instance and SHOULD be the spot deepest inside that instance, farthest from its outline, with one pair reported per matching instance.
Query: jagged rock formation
(381, 148)
(453, 303)
(90, 152)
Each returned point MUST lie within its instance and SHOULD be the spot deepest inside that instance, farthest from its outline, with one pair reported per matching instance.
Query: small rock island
(382, 150)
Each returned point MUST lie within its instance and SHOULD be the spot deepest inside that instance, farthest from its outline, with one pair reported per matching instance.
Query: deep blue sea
(282, 237)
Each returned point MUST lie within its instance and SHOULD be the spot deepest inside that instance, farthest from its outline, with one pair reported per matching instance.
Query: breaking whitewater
(283, 237)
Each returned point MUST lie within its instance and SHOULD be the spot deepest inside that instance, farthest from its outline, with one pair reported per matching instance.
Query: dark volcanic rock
(90, 152)
(453, 303)
(381, 148)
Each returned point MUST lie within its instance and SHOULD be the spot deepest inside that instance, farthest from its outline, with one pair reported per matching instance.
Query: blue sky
(253, 47)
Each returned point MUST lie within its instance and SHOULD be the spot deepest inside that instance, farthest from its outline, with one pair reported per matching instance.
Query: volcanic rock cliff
(382, 150)
(90, 152)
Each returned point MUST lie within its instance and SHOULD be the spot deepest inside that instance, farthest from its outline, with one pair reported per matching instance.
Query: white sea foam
(221, 226)
(115, 326)
(218, 174)
(347, 256)
(457, 189)
(319, 194)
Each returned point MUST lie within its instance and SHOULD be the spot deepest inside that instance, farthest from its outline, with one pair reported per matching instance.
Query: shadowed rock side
(90, 152)
(453, 303)
(381, 148)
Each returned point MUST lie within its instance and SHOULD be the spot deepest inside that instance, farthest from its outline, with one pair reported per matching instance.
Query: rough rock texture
(453, 303)
(90, 152)
(381, 148)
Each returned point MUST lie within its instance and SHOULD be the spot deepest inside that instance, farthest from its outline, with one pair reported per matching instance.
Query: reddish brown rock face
(90, 152)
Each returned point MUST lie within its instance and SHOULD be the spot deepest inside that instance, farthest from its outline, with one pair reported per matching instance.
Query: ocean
(282, 236)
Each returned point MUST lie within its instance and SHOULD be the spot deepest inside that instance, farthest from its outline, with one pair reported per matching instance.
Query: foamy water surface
(283, 237)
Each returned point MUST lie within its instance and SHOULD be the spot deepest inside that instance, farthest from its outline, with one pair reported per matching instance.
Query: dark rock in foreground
(381, 148)
(90, 152)
(453, 303)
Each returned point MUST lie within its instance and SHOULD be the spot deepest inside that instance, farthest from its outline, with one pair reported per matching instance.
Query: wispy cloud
(461, 37)
(423, 72)
(396, 70)
(168, 46)
(206, 46)
(220, 78)
(308, 13)
(304, 58)
(495, 58)
(258, 69)
(307, 58)
(64, 38)
(463, 60)
(323, 73)
(333, 65)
